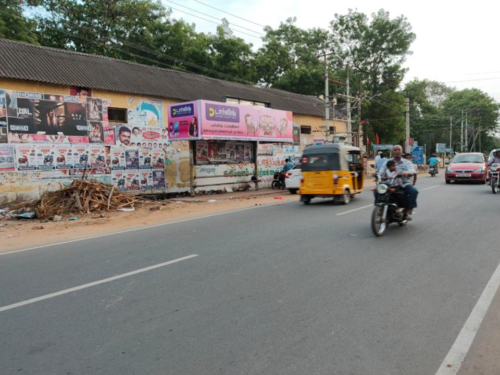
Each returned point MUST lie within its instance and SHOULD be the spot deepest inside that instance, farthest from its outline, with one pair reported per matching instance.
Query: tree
(13, 25)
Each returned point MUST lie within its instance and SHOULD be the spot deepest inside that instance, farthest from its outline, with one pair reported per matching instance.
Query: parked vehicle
(495, 178)
(467, 167)
(331, 170)
(293, 178)
(390, 206)
(279, 180)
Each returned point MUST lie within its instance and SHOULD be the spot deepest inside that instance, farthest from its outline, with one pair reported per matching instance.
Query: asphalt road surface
(282, 289)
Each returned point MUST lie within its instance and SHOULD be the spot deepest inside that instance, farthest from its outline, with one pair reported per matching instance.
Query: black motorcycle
(279, 180)
(433, 171)
(495, 178)
(390, 205)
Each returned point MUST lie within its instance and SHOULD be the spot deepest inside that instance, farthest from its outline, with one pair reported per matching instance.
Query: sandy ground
(21, 234)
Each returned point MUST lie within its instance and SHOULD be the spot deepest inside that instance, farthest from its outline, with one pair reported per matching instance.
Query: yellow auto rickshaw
(331, 170)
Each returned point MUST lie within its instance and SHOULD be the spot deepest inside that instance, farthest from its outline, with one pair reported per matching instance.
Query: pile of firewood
(83, 196)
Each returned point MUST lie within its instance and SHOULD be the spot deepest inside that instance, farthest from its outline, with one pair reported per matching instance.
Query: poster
(109, 134)
(159, 179)
(45, 157)
(231, 151)
(26, 159)
(201, 151)
(123, 135)
(132, 159)
(115, 157)
(96, 132)
(106, 103)
(248, 152)
(145, 158)
(83, 93)
(146, 179)
(158, 158)
(240, 151)
(265, 149)
(144, 112)
(94, 109)
(183, 121)
(132, 180)
(63, 156)
(118, 179)
(97, 157)
(7, 163)
(3, 131)
(3, 105)
(147, 136)
(80, 156)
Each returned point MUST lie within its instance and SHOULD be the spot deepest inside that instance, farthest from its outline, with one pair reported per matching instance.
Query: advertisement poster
(147, 136)
(146, 179)
(97, 157)
(183, 121)
(201, 151)
(7, 163)
(158, 158)
(145, 158)
(123, 135)
(132, 159)
(132, 180)
(109, 134)
(80, 156)
(3, 131)
(144, 112)
(94, 109)
(232, 121)
(106, 103)
(83, 93)
(26, 159)
(265, 149)
(96, 132)
(240, 151)
(3, 105)
(63, 156)
(115, 157)
(296, 134)
(118, 179)
(248, 152)
(45, 157)
(159, 179)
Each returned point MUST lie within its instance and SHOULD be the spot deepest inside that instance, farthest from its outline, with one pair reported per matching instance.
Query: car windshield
(298, 166)
(468, 158)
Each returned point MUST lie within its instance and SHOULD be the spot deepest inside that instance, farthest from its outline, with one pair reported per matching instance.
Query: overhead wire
(234, 15)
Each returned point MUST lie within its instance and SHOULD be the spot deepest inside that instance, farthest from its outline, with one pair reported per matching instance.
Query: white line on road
(141, 228)
(460, 348)
(89, 285)
(432, 187)
(356, 209)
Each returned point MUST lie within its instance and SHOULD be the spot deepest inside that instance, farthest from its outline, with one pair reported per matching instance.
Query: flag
(377, 139)
(367, 141)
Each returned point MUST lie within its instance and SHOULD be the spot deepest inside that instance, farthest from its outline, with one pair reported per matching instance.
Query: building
(53, 99)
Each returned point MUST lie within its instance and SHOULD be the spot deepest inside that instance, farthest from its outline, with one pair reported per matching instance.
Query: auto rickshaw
(331, 170)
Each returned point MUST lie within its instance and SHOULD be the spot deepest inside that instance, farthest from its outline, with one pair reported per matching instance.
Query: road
(282, 289)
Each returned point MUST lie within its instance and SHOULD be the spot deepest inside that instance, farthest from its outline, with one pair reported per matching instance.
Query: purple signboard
(183, 121)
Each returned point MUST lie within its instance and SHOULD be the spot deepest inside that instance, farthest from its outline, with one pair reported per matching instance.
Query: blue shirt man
(433, 161)
(288, 166)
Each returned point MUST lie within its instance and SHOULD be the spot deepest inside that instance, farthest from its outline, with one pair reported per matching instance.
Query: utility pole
(327, 101)
(359, 120)
(407, 143)
(451, 131)
(466, 133)
(462, 133)
(349, 124)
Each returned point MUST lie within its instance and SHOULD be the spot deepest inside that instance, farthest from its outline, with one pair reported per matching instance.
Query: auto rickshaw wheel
(346, 197)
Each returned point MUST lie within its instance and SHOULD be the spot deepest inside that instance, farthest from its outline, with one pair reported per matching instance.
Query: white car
(292, 180)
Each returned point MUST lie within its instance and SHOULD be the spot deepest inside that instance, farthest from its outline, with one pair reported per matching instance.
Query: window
(332, 129)
(305, 129)
(117, 115)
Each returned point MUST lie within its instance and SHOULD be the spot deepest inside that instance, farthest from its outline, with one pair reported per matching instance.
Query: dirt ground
(21, 234)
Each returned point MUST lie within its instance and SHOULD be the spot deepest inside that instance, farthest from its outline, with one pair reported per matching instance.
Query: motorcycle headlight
(382, 189)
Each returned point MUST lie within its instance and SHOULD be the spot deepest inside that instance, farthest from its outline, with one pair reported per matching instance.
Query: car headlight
(481, 170)
(382, 189)
(449, 170)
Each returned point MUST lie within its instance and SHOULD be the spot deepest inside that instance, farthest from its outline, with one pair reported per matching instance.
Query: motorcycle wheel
(378, 224)
(275, 185)
(494, 185)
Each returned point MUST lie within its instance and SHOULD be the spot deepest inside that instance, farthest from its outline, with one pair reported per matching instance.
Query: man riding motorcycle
(406, 169)
(434, 162)
(495, 159)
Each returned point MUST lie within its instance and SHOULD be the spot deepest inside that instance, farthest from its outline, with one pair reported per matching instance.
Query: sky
(456, 40)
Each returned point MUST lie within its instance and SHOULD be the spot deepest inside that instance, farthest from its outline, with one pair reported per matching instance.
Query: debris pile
(83, 196)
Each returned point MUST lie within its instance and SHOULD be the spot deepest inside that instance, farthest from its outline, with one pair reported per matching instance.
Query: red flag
(367, 141)
(377, 139)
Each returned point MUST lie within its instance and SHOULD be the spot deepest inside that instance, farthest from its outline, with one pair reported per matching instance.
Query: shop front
(224, 141)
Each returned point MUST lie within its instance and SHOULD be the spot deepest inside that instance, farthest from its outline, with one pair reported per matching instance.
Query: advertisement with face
(7, 154)
(45, 157)
(26, 158)
(183, 121)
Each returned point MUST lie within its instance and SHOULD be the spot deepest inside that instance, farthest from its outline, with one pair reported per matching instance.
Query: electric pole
(407, 143)
(349, 124)
(462, 133)
(451, 131)
(327, 101)
(359, 120)
(466, 133)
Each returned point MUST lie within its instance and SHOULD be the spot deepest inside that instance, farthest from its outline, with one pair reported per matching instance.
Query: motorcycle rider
(407, 170)
(434, 162)
(409, 157)
(287, 167)
(495, 159)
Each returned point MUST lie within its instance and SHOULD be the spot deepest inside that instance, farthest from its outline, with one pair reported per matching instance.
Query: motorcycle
(390, 206)
(433, 171)
(279, 180)
(495, 178)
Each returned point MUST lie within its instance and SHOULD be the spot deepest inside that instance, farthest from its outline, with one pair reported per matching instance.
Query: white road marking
(140, 228)
(356, 209)
(432, 187)
(89, 285)
(460, 348)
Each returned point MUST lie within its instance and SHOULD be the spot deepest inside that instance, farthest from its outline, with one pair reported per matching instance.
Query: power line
(234, 15)
(201, 18)
(219, 19)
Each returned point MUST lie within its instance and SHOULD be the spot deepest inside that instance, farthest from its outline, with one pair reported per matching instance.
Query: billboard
(183, 121)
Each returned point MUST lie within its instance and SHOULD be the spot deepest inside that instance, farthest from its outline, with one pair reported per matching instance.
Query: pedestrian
(380, 161)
